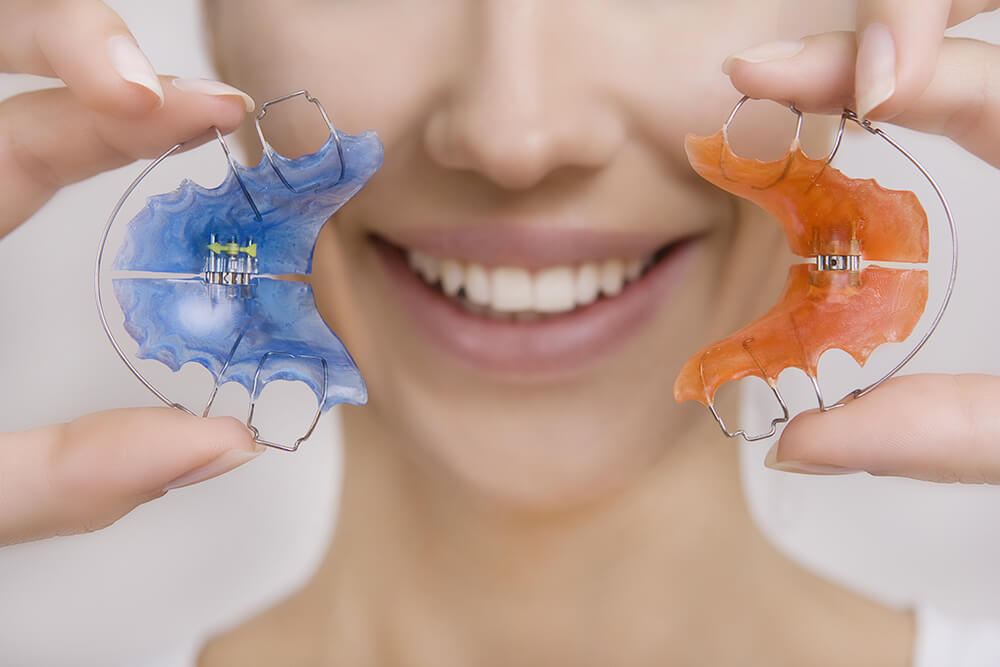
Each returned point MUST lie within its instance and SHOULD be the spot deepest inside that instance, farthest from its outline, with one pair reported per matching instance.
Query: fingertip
(90, 48)
(875, 69)
(225, 113)
(815, 73)
(132, 65)
(84, 475)
(214, 89)
(233, 445)
(786, 462)
(205, 436)
(801, 431)
(763, 53)
(225, 462)
(931, 427)
(802, 444)
(897, 54)
(138, 451)
(204, 103)
(232, 433)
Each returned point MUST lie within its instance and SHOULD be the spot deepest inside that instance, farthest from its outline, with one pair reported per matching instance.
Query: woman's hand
(114, 109)
(897, 67)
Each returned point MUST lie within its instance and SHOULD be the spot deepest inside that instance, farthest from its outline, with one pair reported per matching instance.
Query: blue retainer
(233, 319)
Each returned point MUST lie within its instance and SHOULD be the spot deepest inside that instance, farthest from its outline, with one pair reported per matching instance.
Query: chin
(541, 398)
(552, 448)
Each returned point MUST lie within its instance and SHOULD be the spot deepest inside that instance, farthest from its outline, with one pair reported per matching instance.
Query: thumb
(86, 474)
(898, 42)
(941, 428)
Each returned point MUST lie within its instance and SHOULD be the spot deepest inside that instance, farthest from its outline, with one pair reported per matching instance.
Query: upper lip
(530, 247)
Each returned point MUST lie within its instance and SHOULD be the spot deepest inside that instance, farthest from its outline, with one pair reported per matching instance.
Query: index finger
(941, 428)
(84, 43)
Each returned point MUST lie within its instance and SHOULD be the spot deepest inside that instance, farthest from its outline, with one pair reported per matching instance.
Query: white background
(201, 557)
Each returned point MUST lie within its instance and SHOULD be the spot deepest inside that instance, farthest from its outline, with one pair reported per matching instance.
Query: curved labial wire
(836, 221)
(952, 271)
(97, 277)
(229, 305)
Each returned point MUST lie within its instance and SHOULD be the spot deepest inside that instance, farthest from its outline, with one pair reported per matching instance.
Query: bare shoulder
(282, 635)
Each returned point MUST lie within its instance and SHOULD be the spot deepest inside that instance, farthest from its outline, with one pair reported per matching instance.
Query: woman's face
(533, 156)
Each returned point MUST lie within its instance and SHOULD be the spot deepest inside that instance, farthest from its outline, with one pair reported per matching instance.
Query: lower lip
(553, 345)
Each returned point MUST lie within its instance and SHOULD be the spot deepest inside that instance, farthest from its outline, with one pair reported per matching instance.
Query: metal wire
(268, 152)
(97, 276)
(253, 400)
(747, 98)
(849, 115)
(236, 173)
(225, 367)
(763, 436)
(952, 275)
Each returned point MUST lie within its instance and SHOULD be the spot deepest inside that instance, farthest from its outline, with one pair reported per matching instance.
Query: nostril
(519, 153)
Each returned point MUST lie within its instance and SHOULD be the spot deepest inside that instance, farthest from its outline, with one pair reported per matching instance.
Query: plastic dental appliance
(836, 300)
(201, 275)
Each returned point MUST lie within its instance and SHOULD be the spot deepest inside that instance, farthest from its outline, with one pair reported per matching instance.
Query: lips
(521, 337)
(531, 248)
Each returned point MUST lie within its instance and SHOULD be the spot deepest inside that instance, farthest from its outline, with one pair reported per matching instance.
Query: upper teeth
(511, 289)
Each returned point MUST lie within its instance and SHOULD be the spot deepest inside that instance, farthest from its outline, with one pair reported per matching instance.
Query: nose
(524, 103)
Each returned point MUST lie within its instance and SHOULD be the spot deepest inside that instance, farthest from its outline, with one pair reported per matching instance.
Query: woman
(520, 489)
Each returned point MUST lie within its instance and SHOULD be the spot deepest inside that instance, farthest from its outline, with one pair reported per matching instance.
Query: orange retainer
(823, 212)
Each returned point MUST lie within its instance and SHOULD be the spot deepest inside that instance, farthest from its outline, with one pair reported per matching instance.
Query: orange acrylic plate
(821, 209)
(823, 212)
(818, 310)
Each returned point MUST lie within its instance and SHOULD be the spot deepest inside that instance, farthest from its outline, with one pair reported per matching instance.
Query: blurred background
(201, 558)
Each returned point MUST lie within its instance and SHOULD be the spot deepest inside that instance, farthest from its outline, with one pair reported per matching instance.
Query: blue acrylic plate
(170, 233)
(265, 329)
(176, 321)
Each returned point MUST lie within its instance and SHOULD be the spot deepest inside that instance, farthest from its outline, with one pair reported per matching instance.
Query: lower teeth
(485, 311)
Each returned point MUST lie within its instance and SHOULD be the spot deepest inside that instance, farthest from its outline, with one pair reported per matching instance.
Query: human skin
(523, 126)
(512, 498)
(571, 517)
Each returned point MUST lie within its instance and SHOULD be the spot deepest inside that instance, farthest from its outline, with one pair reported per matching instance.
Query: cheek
(560, 442)
(381, 64)
(374, 65)
(334, 286)
(670, 77)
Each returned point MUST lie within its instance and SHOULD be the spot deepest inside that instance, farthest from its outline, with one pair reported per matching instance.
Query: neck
(420, 556)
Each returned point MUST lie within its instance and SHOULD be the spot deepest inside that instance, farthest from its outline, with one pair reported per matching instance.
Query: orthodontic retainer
(835, 302)
(225, 306)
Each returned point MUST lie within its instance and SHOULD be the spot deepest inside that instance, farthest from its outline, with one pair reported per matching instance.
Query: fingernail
(803, 467)
(132, 64)
(875, 76)
(763, 53)
(210, 87)
(224, 463)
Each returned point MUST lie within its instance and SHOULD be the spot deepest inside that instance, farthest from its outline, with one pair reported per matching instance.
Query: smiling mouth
(518, 294)
(531, 302)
